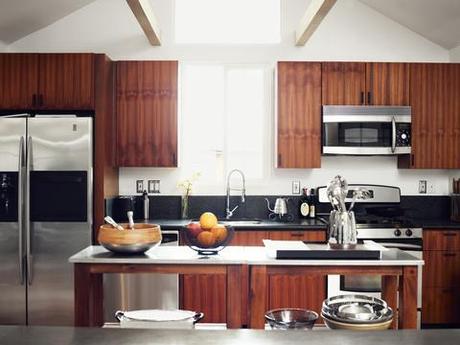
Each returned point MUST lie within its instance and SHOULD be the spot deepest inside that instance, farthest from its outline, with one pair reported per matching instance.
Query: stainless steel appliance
(381, 219)
(366, 130)
(45, 214)
(142, 290)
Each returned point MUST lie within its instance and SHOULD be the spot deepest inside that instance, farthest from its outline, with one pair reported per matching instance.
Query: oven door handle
(393, 134)
(402, 246)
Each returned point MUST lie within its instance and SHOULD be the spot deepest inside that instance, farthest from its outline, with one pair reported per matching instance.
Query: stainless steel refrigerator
(45, 214)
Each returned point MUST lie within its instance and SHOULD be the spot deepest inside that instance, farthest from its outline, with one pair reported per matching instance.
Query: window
(224, 121)
(227, 21)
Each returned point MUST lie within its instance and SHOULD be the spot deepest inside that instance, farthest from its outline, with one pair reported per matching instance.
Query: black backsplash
(169, 206)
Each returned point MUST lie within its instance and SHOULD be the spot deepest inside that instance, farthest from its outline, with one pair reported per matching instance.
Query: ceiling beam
(146, 18)
(314, 15)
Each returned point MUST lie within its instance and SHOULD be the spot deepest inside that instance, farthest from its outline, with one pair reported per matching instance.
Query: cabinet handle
(449, 254)
(449, 234)
(362, 97)
(369, 98)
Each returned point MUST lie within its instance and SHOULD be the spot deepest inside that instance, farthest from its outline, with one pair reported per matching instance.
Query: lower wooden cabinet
(207, 293)
(441, 277)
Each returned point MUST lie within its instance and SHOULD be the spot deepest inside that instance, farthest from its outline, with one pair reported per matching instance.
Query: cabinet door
(434, 90)
(66, 81)
(387, 83)
(18, 81)
(439, 239)
(299, 115)
(440, 306)
(297, 291)
(442, 269)
(343, 83)
(147, 113)
(249, 238)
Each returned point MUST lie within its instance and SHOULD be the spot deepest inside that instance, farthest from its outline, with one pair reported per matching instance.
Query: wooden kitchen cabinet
(66, 81)
(297, 291)
(299, 115)
(147, 113)
(18, 80)
(359, 83)
(434, 90)
(47, 81)
(441, 277)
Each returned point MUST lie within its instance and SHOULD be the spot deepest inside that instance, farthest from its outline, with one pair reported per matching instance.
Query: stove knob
(408, 232)
(397, 232)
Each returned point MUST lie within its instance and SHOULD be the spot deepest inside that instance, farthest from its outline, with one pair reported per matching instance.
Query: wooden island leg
(234, 298)
(258, 296)
(390, 295)
(88, 294)
(408, 298)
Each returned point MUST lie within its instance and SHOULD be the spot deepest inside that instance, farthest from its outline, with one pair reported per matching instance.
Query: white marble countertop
(230, 256)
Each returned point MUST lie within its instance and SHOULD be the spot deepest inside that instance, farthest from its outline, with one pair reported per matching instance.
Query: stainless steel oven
(366, 130)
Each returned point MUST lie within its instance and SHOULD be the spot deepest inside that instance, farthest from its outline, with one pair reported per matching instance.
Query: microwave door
(12, 273)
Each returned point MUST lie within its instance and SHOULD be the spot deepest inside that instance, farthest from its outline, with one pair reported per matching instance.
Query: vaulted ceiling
(436, 20)
(18, 18)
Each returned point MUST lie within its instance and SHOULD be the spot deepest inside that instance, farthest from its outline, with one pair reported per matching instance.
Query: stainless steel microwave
(366, 130)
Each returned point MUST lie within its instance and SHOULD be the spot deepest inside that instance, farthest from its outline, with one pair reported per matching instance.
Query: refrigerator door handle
(27, 212)
(20, 214)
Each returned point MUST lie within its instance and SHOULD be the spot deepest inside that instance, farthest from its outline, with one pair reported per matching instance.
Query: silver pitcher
(281, 207)
(342, 230)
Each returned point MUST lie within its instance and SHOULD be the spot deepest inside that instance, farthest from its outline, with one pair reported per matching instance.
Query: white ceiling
(18, 18)
(436, 20)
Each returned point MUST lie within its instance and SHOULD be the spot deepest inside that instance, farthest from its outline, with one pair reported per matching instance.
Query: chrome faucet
(228, 212)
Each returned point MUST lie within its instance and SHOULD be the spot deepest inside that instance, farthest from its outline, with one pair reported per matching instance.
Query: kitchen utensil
(342, 230)
(333, 324)
(359, 309)
(209, 243)
(291, 318)
(158, 319)
(359, 194)
(138, 240)
(113, 223)
(130, 219)
(281, 206)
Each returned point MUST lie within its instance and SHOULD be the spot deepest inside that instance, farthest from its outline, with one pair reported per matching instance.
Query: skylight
(227, 21)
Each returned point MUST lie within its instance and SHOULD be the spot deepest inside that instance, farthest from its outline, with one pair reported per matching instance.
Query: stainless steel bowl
(358, 309)
(334, 324)
(291, 318)
(134, 248)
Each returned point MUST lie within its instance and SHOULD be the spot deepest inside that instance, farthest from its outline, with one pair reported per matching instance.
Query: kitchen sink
(241, 222)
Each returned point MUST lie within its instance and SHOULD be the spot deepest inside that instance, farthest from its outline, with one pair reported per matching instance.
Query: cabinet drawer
(441, 239)
(440, 306)
(299, 235)
(442, 269)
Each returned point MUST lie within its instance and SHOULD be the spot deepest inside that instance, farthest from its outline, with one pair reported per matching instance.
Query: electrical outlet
(295, 187)
(153, 186)
(422, 186)
(139, 186)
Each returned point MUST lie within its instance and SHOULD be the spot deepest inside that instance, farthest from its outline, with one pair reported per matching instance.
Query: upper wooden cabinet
(299, 115)
(66, 81)
(18, 81)
(360, 83)
(435, 101)
(47, 81)
(147, 113)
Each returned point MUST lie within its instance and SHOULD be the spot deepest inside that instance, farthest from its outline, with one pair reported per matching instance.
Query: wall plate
(295, 187)
(139, 186)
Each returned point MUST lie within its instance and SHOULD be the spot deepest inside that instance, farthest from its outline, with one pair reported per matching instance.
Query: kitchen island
(247, 271)
(20, 335)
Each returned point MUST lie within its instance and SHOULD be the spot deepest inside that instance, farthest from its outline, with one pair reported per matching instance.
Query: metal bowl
(334, 324)
(192, 239)
(291, 318)
(359, 309)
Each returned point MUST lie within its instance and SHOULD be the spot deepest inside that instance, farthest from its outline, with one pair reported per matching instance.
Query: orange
(206, 239)
(220, 232)
(208, 220)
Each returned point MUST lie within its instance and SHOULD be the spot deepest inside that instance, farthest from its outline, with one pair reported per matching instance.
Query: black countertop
(20, 335)
(306, 224)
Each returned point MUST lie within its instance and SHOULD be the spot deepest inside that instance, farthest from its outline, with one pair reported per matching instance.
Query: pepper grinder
(145, 195)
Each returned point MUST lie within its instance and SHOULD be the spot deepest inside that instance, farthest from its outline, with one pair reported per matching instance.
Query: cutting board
(289, 250)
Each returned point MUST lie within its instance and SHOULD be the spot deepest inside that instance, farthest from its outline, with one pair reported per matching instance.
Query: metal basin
(241, 222)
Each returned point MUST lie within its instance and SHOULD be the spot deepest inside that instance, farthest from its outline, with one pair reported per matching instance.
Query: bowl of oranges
(207, 236)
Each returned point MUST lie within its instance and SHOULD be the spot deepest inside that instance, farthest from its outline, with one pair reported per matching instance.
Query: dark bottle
(304, 204)
(312, 200)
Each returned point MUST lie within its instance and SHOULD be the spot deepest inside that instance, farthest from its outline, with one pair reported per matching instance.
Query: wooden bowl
(138, 240)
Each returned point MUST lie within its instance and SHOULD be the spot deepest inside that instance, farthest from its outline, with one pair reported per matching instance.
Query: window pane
(227, 21)
(245, 121)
